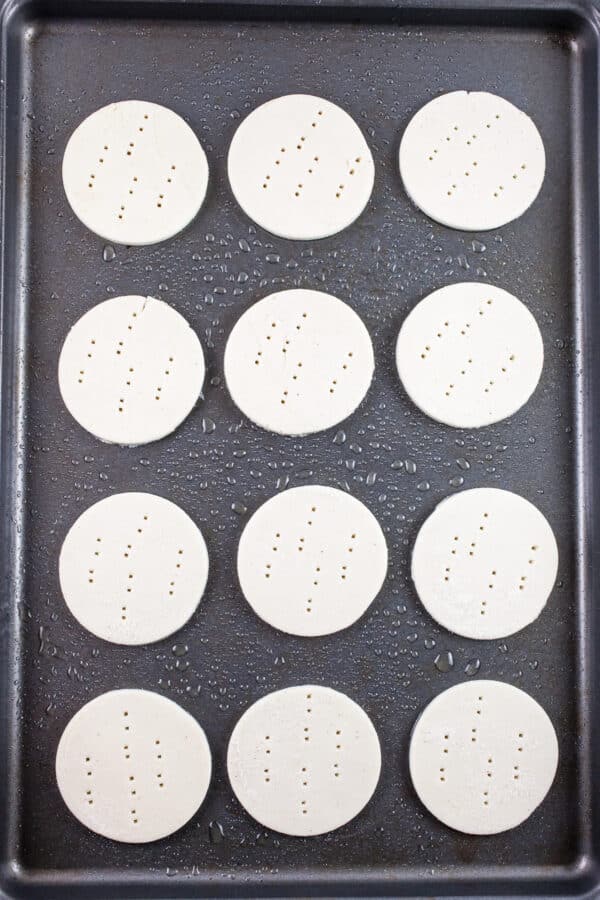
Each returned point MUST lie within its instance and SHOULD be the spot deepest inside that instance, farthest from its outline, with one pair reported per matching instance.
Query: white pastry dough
(304, 760)
(300, 167)
(469, 354)
(133, 568)
(484, 563)
(472, 161)
(298, 361)
(135, 173)
(130, 370)
(483, 755)
(311, 560)
(133, 766)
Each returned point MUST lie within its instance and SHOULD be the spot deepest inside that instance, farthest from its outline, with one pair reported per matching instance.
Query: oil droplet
(239, 508)
(472, 667)
(340, 437)
(444, 661)
(216, 834)
(410, 466)
(108, 254)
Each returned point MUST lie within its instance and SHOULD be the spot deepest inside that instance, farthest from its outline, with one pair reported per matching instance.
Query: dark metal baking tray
(212, 63)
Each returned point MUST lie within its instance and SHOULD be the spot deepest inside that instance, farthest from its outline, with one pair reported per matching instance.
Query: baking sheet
(213, 64)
